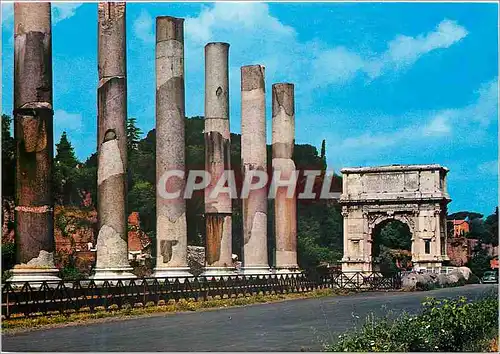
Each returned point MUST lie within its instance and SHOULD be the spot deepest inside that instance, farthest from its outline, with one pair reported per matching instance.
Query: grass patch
(454, 325)
(19, 322)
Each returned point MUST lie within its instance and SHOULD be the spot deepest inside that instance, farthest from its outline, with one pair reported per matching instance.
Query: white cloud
(67, 121)
(485, 110)
(405, 50)
(143, 27)
(437, 124)
(60, 12)
(256, 36)
(63, 11)
(7, 12)
(234, 17)
(488, 168)
(338, 65)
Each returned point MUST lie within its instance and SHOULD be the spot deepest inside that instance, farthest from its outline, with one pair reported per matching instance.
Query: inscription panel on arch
(387, 182)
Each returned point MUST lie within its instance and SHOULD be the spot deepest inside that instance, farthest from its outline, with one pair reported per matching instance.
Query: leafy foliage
(65, 173)
(8, 158)
(462, 215)
(480, 261)
(320, 222)
(8, 255)
(390, 241)
(448, 325)
(133, 135)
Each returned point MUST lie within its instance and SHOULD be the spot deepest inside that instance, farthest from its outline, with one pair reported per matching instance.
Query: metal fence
(48, 297)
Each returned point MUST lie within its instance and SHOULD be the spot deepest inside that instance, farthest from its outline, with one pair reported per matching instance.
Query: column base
(218, 272)
(35, 276)
(173, 272)
(112, 275)
(428, 266)
(291, 270)
(349, 266)
(257, 270)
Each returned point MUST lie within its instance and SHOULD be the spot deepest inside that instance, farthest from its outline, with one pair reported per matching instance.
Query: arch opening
(391, 246)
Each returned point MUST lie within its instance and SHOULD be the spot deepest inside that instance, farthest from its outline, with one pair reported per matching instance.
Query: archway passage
(391, 246)
(413, 194)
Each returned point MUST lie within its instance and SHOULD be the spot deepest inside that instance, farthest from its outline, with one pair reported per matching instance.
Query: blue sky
(382, 83)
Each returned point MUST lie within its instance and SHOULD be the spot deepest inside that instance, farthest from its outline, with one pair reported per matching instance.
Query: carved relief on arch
(374, 219)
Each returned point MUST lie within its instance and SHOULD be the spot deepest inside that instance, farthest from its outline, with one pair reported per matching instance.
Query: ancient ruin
(217, 160)
(33, 130)
(413, 194)
(112, 254)
(171, 228)
(285, 206)
(254, 158)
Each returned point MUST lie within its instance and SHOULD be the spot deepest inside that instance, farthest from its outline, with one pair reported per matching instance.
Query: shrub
(443, 325)
(8, 255)
(70, 272)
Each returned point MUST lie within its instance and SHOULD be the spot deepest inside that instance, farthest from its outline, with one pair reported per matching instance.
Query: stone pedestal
(171, 228)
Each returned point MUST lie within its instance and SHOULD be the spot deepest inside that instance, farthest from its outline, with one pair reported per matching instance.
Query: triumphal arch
(413, 194)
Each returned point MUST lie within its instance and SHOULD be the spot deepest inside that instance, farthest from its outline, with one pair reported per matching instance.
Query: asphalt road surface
(286, 326)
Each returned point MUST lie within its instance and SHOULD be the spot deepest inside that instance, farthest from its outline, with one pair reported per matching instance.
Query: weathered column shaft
(33, 130)
(112, 253)
(285, 208)
(171, 228)
(253, 156)
(217, 155)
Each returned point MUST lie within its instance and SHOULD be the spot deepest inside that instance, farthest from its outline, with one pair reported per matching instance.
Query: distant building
(494, 263)
(139, 244)
(460, 250)
(460, 227)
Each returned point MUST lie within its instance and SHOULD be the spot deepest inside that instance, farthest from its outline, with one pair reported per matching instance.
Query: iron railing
(49, 297)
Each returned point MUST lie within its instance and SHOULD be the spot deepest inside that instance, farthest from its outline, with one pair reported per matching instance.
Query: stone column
(253, 156)
(33, 130)
(285, 208)
(112, 247)
(171, 228)
(218, 260)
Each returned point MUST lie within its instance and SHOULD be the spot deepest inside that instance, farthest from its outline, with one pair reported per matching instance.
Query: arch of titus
(413, 194)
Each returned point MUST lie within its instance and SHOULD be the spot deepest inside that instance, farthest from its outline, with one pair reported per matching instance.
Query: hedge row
(443, 325)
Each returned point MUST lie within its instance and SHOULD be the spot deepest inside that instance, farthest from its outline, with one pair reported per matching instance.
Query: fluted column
(171, 228)
(285, 208)
(253, 156)
(217, 160)
(112, 247)
(33, 130)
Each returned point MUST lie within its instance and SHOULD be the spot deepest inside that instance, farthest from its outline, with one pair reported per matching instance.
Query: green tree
(87, 178)
(323, 153)
(480, 261)
(65, 172)
(8, 158)
(491, 226)
(462, 215)
(133, 136)
(143, 200)
(390, 241)
(393, 235)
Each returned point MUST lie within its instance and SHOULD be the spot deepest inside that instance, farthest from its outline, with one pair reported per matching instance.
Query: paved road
(286, 326)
